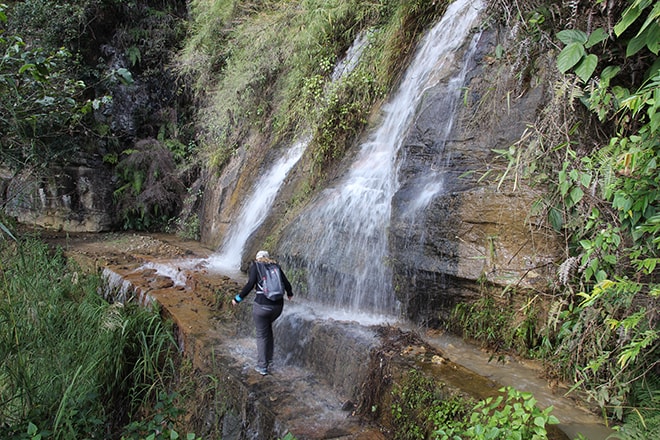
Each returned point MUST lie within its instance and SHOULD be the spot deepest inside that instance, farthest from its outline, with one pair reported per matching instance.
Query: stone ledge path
(292, 399)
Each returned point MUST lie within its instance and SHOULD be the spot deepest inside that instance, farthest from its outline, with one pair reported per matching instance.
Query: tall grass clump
(72, 365)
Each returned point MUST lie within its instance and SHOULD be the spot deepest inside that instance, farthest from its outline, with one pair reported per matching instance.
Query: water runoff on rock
(341, 242)
(255, 210)
(227, 260)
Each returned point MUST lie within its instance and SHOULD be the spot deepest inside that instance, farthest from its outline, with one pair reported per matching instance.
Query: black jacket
(253, 279)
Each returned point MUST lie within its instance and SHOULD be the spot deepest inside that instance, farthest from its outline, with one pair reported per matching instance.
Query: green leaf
(652, 18)
(608, 73)
(125, 76)
(556, 219)
(569, 36)
(642, 40)
(611, 259)
(569, 57)
(26, 66)
(597, 36)
(653, 37)
(7, 231)
(575, 195)
(586, 68)
(628, 17)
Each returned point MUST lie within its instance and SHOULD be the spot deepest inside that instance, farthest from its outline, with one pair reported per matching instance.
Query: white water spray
(254, 212)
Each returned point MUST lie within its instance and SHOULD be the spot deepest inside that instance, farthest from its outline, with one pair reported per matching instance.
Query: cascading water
(228, 258)
(341, 241)
(255, 211)
(351, 59)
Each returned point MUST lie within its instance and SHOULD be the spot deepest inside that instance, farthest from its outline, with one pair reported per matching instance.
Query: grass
(72, 365)
(266, 67)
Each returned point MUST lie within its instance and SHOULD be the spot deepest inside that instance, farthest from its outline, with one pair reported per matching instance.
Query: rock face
(72, 198)
(471, 231)
(468, 230)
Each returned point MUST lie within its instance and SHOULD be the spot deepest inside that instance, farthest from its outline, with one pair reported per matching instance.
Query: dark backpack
(270, 281)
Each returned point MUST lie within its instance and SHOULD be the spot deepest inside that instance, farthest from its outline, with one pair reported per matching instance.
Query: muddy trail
(332, 379)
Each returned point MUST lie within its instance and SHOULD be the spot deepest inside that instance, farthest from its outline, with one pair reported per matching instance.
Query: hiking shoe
(261, 370)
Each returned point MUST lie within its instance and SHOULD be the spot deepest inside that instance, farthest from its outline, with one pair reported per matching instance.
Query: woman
(264, 311)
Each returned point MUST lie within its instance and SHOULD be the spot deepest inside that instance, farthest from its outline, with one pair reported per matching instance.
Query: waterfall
(254, 211)
(341, 240)
(352, 57)
(256, 208)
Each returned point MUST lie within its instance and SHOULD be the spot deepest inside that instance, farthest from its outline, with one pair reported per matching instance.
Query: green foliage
(608, 338)
(483, 320)
(51, 106)
(149, 192)
(53, 24)
(161, 424)
(602, 333)
(648, 34)
(188, 228)
(267, 68)
(513, 416)
(498, 326)
(420, 407)
(71, 363)
(574, 55)
(40, 102)
(644, 421)
(608, 342)
(422, 410)
(600, 165)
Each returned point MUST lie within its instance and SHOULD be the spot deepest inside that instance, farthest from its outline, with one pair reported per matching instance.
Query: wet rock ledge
(331, 379)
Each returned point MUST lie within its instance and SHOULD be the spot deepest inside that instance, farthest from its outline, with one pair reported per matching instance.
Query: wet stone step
(314, 383)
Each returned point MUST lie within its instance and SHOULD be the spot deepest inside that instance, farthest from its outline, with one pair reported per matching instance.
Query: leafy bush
(595, 150)
(40, 102)
(421, 409)
(150, 192)
(611, 323)
(513, 416)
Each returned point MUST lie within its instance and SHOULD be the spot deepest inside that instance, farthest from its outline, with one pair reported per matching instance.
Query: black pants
(264, 316)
